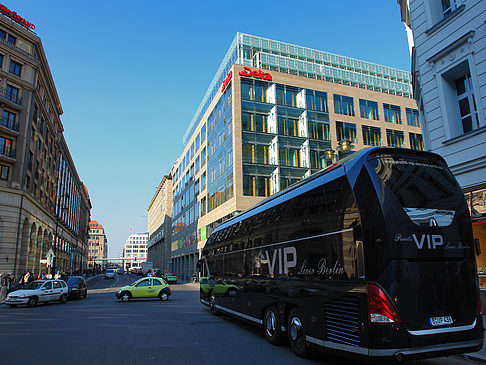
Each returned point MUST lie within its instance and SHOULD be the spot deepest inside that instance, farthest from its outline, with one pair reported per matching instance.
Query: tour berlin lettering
(322, 269)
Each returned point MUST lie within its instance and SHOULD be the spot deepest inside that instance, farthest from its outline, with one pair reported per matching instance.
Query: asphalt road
(103, 330)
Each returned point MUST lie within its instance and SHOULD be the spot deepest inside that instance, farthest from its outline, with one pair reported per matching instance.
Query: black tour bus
(372, 258)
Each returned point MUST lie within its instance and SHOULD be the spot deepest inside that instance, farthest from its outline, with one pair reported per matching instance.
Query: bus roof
(341, 167)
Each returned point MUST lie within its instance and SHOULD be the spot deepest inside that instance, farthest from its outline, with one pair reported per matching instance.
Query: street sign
(43, 261)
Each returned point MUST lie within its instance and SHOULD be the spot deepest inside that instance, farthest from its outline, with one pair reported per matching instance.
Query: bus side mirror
(477, 247)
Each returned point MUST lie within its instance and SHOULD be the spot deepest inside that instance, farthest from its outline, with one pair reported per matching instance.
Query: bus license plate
(440, 321)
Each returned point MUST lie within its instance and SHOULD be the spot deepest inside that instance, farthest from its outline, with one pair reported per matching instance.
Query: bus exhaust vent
(341, 320)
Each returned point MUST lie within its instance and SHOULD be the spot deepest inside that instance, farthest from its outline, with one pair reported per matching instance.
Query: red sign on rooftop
(257, 74)
(14, 16)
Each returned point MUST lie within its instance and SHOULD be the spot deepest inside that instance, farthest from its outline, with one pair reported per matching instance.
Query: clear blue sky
(131, 74)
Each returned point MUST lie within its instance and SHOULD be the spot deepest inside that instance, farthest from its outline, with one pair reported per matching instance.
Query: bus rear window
(420, 185)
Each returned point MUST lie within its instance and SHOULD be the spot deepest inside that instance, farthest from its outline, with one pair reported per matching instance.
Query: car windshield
(34, 285)
(73, 281)
(109, 271)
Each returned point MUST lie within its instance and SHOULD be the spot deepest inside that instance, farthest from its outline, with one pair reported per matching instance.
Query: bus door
(430, 274)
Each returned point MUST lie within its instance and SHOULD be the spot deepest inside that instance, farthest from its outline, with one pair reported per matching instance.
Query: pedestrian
(14, 284)
(30, 278)
(3, 287)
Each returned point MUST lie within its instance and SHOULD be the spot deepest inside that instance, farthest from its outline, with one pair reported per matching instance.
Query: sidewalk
(480, 355)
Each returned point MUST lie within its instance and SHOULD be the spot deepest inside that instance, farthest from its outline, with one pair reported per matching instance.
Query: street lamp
(329, 156)
(344, 147)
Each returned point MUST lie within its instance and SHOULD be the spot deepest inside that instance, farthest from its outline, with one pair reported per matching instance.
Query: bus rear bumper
(414, 353)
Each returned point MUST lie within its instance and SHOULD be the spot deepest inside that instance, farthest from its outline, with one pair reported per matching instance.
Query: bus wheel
(271, 324)
(296, 334)
(212, 304)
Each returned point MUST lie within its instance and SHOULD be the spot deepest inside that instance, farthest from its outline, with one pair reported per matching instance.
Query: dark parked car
(77, 287)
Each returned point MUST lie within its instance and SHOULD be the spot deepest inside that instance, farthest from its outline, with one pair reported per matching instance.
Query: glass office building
(274, 114)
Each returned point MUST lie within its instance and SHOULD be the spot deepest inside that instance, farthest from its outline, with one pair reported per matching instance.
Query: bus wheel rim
(270, 323)
(295, 327)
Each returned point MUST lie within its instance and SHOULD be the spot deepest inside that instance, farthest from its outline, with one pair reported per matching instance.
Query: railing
(10, 96)
(20, 50)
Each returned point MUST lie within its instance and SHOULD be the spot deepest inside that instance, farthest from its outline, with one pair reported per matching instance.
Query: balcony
(20, 50)
(11, 97)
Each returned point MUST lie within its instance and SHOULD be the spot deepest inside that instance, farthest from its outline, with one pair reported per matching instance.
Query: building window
(15, 68)
(289, 156)
(12, 93)
(4, 172)
(393, 113)
(287, 95)
(316, 100)
(371, 136)
(413, 119)
(287, 181)
(203, 181)
(448, 6)
(467, 103)
(368, 109)
(343, 105)
(394, 138)
(346, 131)
(5, 146)
(319, 130)
(8, 119)
(203, 157)
(416, 141)
(11, 39)
(318, 160)
(253, 90)
(256, 185)
(288, 126)
(256, 153)
(254, 122)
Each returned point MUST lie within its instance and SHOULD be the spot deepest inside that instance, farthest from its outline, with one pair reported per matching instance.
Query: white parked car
(39, 291)
(109, 274)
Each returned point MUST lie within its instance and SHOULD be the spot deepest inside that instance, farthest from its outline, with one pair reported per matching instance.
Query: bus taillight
(380, 309)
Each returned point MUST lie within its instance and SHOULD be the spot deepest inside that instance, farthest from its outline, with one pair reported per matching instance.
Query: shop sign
(257, 74)
(226, 81)
(14, 16)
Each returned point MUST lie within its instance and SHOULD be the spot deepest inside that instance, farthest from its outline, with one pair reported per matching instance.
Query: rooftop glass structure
(253, 51)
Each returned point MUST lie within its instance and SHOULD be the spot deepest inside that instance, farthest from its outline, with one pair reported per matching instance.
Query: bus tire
(272, 326)
(296, 334)
(212, 304)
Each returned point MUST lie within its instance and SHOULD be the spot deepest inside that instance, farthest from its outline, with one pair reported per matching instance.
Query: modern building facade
(160, 225)
(98, 245)
(274, 114)
(448, 42)
(43, 203)
(135, 250)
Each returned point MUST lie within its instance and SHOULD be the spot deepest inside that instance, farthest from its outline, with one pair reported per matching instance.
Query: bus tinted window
(418, 183)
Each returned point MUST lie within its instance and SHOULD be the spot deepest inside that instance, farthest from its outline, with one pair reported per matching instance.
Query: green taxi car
(145, 288)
